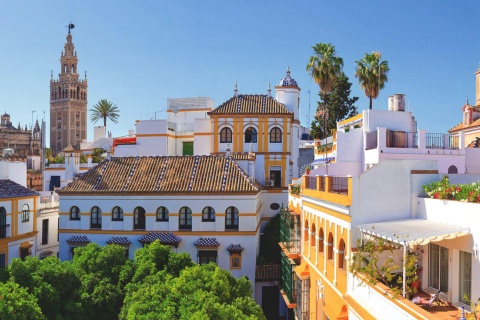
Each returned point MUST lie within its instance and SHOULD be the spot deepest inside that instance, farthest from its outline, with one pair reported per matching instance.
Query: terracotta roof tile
(251, 104)
(11, 189)
(168, 174)
(460, 126)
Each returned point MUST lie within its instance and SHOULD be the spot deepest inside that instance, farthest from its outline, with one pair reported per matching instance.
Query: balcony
(389, 141)
(290, 233)
(267, 273)
(329, 188)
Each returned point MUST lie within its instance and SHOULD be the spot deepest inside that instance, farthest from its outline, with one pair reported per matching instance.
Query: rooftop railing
(268, 273)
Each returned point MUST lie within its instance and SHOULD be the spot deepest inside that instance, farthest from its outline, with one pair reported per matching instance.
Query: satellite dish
(174, 109)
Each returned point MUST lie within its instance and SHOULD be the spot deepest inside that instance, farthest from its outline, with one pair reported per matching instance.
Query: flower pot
(414, 286)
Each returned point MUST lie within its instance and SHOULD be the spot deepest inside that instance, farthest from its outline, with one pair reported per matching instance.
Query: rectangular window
(3, 260)
(45, 231)
(465, 283)
(188, 148)
(24, 252)
(438, 268)
(207, 256)
(275, 176)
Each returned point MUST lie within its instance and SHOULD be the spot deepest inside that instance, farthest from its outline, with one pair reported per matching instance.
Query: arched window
(341, 254)
(25, 213)
(251, 135)
(226, 135)
(320, 240)
(330, 246)
(78, 91)
(312, 235)
(74, 213)
(3, 222)
(208, 214)
(231, 220)
(139, 218)
(96, 218)
(117, 214)
(162, 214)
(452, 170)
(276, 135)
(185, 221)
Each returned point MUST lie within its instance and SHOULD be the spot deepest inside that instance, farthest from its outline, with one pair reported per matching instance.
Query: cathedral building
(68, 102)
(17, 142)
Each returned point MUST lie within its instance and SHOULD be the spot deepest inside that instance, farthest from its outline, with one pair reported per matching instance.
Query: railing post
(318, 181)
(381, 138)
(461, 142)
(328, 184)
(422, 140)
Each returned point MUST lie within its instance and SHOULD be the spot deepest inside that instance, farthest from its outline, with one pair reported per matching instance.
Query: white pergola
(412, 232)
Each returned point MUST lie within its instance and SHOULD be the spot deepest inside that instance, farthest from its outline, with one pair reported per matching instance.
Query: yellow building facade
(18, 221)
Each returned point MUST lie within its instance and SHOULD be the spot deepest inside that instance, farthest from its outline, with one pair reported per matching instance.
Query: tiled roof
(207, 242)
(288, 81)
(243, 156)
(10, 189)
(235, 248)
(475, 143)
(171, 174)
(119, 240)
(78, 239)
(251, 104)
(163, 237)
(461, 126)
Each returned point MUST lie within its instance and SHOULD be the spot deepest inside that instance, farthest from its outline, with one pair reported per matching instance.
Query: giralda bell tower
(68, 101)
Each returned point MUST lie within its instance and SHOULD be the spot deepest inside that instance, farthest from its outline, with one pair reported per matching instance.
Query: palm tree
(104, 109)
(372, 74)
(325, 68)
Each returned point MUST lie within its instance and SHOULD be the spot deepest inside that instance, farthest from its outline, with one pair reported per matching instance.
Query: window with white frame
(25, 213)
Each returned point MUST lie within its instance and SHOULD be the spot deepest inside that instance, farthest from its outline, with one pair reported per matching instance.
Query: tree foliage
(17, 304)
(105, 109)
(101, 283)
(339, 105)
(324, 66)
(372, 74)
(269, 249)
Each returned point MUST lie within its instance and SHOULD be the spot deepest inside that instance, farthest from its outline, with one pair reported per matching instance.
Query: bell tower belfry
(68, 101)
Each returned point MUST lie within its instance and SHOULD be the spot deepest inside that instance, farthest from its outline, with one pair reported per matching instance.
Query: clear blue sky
(139, 53)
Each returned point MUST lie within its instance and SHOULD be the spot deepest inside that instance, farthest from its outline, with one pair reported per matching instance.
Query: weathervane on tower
(70, 26)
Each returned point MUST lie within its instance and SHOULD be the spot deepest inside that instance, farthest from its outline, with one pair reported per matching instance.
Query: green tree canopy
(339, 105)
(324, 66)
(101, 283)
(17, 304)
(372, 74)
(105, 109)
(199, 292)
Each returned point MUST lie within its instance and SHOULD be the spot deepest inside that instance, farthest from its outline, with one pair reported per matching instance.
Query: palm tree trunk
(371, 103)
(105, 118)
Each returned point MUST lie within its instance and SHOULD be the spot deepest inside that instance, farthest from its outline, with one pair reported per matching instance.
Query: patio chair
(428, 302)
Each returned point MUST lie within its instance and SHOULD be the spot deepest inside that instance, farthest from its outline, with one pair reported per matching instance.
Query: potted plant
(411, 274)
(307, 170)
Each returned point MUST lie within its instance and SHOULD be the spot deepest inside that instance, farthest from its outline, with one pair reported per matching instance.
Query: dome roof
(288, 81)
